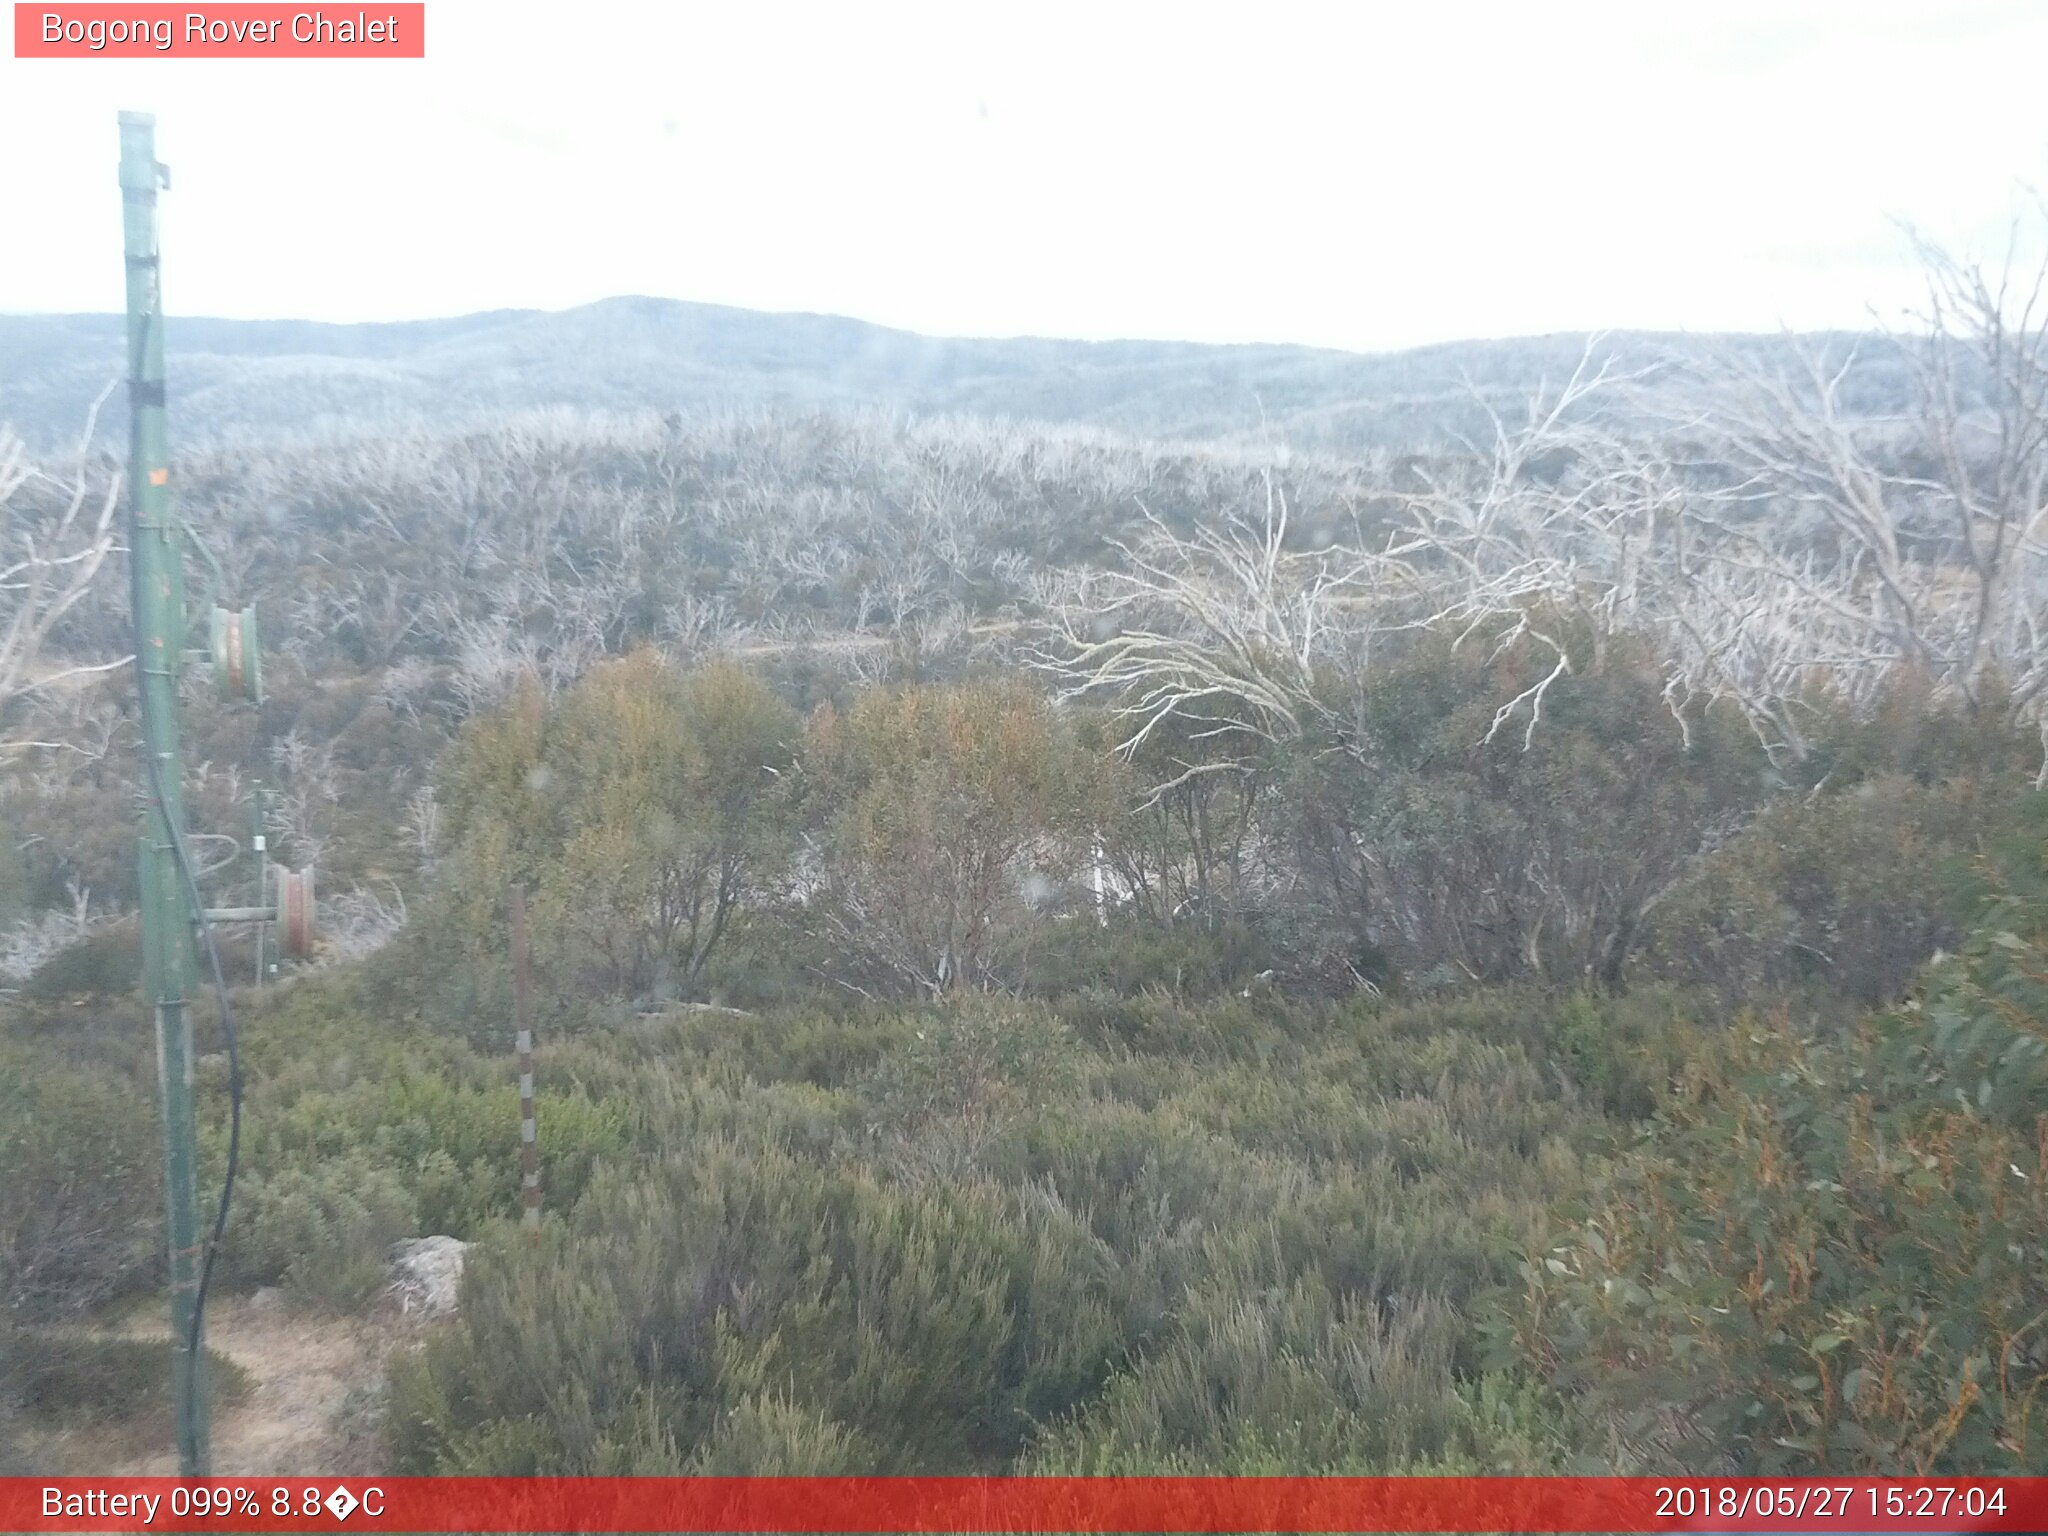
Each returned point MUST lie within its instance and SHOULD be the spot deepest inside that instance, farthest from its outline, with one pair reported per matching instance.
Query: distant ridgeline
(263, 379)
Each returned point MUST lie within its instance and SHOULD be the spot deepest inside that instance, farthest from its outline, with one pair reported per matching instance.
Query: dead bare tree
(1228, 628)
(1778, 544)
(56, 532)
(1224, 626)
(1850, 548)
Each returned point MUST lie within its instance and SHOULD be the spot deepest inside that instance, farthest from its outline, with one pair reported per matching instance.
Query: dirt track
(309, 1410)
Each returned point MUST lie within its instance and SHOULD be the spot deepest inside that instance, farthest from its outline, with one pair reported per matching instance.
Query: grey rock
(426, 1274)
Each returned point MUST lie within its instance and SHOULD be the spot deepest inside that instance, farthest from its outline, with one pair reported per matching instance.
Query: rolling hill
(266, 379)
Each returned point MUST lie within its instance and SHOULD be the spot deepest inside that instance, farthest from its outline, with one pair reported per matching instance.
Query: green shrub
(1624, 1049)
(1460, 846)
(81, 1197)
(643, 810)
(71, 1379)
(106, 962)
(1305, 1382)
(325, 1233)
(808, 1043)
(979, 1061)
(771, 1436)
(1841, 896)
(1128, 955)
(932, 1325)
(439, 1119)
(1829, 1253)
(951, 822)
(14, 1460)
(770, 960)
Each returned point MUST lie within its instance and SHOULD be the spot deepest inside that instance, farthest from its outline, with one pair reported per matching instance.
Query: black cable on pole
(227, 1025)
(182, 854)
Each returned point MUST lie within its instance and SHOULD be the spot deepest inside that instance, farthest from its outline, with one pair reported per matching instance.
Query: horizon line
(1587, 333)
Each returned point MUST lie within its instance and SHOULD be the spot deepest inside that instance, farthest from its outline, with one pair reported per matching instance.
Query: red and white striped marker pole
(522, 1010)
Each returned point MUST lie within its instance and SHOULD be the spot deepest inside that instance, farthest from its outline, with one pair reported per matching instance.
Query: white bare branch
(56, 531)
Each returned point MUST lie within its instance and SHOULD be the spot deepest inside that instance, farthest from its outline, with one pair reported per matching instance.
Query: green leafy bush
(949, 820)
(643, 810)
(1458, 846)
(1828, 1253)
(1843, 896)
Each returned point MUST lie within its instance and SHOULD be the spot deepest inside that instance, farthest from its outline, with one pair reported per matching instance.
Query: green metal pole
(259, 840)
(167, 916)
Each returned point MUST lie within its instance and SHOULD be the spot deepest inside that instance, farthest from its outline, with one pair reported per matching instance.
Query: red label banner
(819, 1505)
(231, 31)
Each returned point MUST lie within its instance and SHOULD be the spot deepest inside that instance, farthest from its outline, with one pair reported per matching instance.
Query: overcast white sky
(1360, 175)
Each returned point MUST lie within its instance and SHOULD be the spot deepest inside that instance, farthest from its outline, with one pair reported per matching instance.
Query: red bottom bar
(817, 1505)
